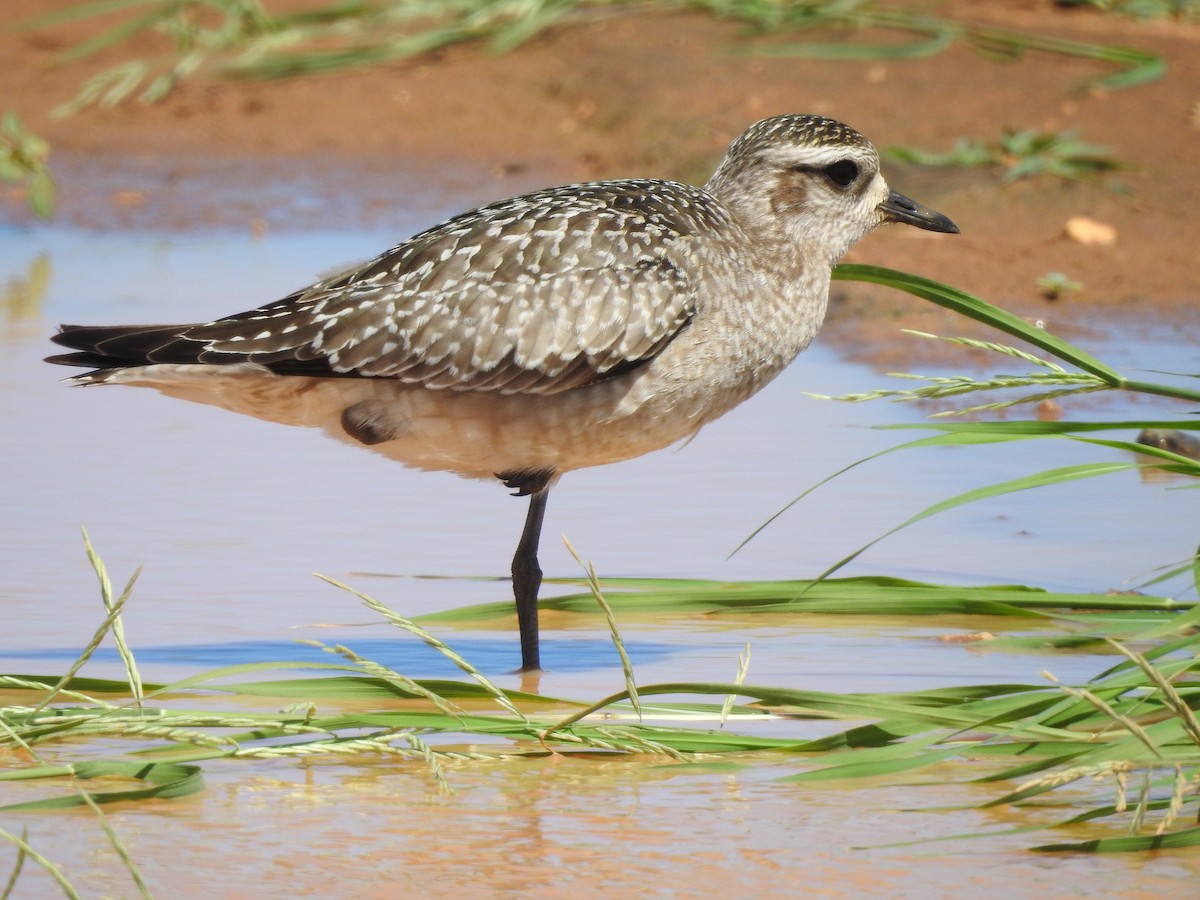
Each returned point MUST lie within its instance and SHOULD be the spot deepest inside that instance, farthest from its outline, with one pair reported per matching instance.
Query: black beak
(898, 208)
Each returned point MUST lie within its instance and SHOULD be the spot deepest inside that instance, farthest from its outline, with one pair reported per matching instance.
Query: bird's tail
(121, 346)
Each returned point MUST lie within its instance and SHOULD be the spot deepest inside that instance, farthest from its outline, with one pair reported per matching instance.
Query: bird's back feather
(538, 294)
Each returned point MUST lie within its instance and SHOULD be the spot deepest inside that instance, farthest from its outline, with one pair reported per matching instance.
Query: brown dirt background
(662, 94)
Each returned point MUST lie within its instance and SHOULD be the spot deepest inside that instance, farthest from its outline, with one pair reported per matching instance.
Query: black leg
(527, 578)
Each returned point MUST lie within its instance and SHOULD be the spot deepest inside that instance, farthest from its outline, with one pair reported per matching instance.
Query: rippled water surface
(231, 516)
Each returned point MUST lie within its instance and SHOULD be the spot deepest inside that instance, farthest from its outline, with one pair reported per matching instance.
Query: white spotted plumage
(533, 295)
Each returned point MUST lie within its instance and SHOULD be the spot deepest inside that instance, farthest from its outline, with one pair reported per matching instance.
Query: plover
(569, 327)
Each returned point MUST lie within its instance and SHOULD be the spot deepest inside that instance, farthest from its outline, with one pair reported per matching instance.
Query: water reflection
(21, 295)
(1175, 441)
(579, 826)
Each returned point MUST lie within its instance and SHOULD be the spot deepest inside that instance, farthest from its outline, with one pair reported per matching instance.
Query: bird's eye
(842, 173)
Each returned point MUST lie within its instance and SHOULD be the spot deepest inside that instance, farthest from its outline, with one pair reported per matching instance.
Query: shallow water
(230, 516)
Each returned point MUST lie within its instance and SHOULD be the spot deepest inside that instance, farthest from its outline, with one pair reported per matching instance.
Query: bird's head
(812, 182)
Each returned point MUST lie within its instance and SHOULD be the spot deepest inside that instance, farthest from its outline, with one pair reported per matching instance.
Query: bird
(569, 327)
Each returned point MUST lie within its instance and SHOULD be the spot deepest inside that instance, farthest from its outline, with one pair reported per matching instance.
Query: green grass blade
(981, 311)
(54, 871)
(118, 845)
(1122, 721)
(755, 533)
(16, 738)
(79, 663)
(520, 30)
(204, 678)
(877, 768)
(1138, 67)
(18, 865)
(379, 690)
(436, 643)
(626, 666)
(1040, 479)
(1021, 428)
(82, 11)
(1189, 837)
(167, 779)
(963, 433)
(739, 678)
(939, 35)
(1170, 695)
(118, 33)
(118, 626)
(1184, 623)
(857, 595)
(402, 682)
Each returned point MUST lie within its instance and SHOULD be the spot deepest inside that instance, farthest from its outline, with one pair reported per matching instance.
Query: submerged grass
(867, 595)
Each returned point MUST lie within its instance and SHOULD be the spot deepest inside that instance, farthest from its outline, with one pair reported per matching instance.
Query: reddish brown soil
(662, 94)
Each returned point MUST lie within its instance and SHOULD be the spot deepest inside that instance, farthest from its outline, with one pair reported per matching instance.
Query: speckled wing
(538, 294)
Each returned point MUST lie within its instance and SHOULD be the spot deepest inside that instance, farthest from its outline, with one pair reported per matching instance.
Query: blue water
(404, 654)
